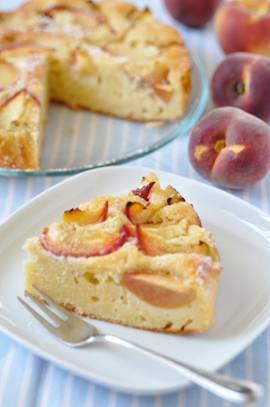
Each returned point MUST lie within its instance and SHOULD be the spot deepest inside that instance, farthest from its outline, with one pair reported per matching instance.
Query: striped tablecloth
(28, 381)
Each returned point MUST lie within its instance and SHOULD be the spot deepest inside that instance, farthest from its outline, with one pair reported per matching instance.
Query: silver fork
(74, 331)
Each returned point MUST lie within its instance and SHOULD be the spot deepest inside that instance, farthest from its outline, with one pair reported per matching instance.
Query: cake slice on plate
(142, 259)
(23, 104)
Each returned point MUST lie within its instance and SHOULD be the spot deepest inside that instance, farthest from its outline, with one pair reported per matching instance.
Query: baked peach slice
(149, 243)
(48, 41)
(82, 62)
(19, 44)
(164, 91)
(8, 74)
(73, 247)
(173, 195)
(20, 105)
(86, 217)
(85, 17)
(157, 79)
(158, 290)
(61, 8)
(137, 213)
(12, 108)
(145, 191)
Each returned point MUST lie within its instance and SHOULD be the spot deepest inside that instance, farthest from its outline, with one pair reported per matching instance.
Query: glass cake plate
(77, 141)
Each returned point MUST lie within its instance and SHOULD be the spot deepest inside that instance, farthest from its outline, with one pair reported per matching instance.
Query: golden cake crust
(166, 329)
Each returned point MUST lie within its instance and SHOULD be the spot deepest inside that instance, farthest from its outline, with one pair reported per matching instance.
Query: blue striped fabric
(28, 381)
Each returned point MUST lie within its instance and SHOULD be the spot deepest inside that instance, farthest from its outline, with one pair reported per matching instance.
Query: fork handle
(228, 388)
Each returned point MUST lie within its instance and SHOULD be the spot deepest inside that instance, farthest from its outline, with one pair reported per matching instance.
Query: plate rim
(105, 381)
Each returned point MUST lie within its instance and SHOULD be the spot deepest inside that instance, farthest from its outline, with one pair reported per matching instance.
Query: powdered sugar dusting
(205, 265)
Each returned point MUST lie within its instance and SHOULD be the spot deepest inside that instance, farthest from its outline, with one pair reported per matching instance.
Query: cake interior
(95, 291)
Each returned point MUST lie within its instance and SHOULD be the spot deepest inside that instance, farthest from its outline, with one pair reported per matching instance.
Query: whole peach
(194, 13)
(244, 25)
(243, 80)
(231, 147)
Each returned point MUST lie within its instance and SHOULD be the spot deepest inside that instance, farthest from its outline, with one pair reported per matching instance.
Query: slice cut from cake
(107, 56)
(23, 104)
(142, 260)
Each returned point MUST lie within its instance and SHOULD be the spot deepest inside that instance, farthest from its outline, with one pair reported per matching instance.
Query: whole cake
(142, 260)
(108, 57)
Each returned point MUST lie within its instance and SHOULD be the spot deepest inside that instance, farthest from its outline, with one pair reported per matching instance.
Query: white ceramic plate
(242, 233)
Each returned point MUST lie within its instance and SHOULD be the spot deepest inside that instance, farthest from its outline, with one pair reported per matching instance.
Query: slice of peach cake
(142, 260)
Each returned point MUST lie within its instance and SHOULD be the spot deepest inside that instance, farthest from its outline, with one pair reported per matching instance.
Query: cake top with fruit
(147, 223)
